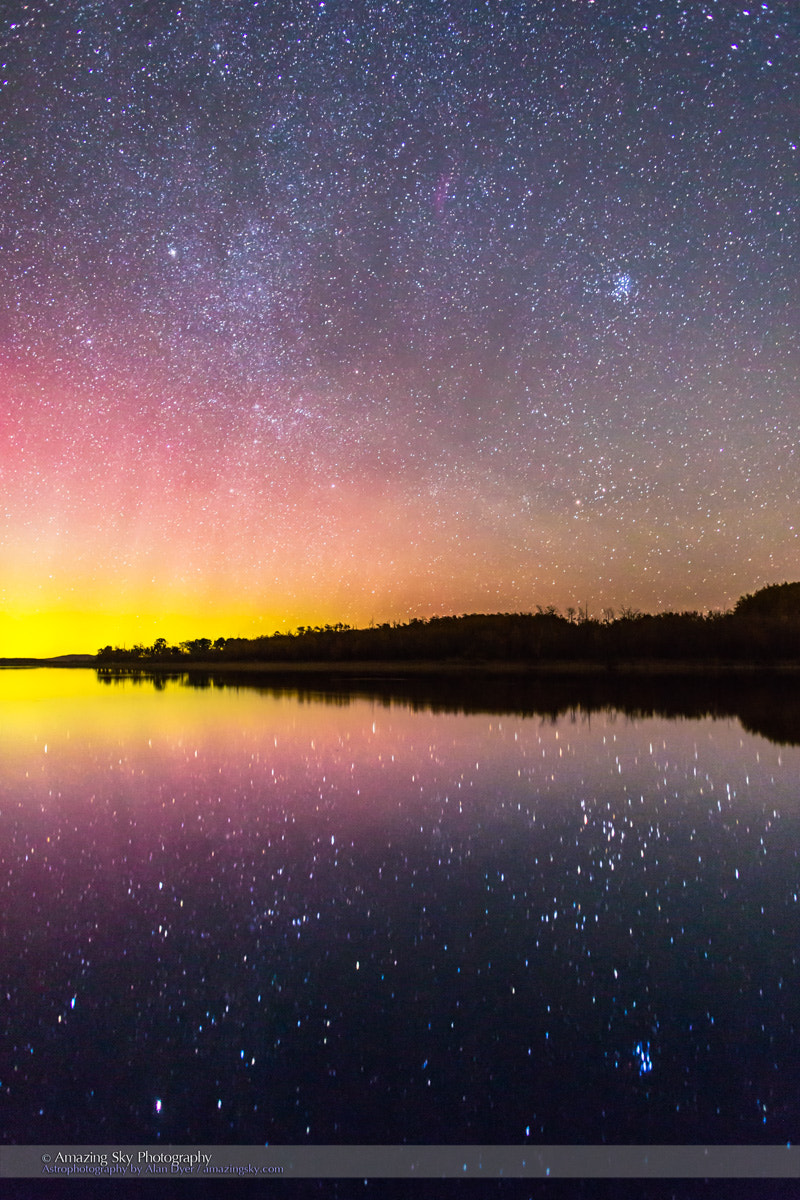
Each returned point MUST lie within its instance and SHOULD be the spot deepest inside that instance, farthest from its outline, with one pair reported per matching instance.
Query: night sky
(322, 311)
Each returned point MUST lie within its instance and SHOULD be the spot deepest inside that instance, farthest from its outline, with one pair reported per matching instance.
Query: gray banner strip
(399, 1162)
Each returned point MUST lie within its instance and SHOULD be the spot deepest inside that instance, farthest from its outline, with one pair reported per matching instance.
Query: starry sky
(364, 310)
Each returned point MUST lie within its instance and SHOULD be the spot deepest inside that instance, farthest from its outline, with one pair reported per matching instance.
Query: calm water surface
(236, 915)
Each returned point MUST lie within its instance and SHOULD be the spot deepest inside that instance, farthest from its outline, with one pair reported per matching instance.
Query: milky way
(339, 311)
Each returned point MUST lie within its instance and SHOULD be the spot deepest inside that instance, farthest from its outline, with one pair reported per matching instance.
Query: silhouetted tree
(779, 600)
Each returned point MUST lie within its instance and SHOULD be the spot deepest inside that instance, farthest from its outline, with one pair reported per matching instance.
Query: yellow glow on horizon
(48, 633)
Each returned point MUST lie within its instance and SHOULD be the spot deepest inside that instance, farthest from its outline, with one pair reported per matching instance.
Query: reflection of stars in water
(641, 1053)
(313, 925)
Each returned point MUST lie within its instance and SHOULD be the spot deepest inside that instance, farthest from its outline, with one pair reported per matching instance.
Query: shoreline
(449, 668)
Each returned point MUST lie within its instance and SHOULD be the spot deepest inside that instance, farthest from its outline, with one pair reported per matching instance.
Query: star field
(339, 311)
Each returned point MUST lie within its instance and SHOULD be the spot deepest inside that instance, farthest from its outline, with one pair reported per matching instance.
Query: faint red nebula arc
(442, 189)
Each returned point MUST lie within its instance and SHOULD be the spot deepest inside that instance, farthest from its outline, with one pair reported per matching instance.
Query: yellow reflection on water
(53, 707)
(75, 714)
(25, 684)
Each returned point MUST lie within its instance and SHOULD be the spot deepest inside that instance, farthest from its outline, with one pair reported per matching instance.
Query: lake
(237, 914)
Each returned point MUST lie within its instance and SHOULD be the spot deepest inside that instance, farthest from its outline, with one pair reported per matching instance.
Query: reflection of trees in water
(776, 717)
(765, 703)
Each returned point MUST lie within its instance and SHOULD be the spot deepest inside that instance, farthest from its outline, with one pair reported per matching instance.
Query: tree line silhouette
(762, 628)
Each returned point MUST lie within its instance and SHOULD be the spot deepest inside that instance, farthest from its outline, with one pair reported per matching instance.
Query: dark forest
(762, 629)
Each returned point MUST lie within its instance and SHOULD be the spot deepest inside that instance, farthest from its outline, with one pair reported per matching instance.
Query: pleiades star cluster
(321, 311)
